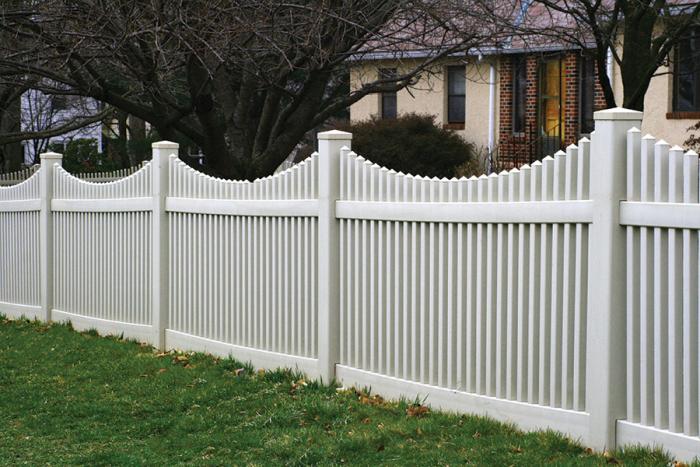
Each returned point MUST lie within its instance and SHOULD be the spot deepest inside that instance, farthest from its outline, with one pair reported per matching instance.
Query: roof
(539, 30)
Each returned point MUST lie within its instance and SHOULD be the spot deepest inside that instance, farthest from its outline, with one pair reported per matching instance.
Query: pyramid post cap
(50, 155)
(618, 113)
(334, 135)
(165, 145)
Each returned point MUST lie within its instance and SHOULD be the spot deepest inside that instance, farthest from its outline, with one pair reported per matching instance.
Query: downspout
(492, 113)
(609, 68)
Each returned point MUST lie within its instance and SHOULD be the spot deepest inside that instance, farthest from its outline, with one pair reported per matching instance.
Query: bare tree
(242, 80)
(639, 34)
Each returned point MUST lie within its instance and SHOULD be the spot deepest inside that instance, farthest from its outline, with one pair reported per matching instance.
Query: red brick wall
(571, 101)
(599, 96)
(517, 149)
(514, 147)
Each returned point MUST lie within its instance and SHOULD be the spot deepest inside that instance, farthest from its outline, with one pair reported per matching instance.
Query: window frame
(519, 102)
(450, 95)
(693, 34)
(388, 73)
(586, 64)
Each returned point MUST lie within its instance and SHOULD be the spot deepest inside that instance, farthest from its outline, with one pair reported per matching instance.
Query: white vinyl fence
(560, 295)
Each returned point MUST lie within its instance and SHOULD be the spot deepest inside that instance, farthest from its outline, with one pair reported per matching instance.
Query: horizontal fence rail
(563, 294)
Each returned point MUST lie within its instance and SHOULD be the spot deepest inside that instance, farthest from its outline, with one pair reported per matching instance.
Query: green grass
(72, 398)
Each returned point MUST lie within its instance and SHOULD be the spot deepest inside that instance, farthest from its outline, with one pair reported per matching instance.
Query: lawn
(77, 398)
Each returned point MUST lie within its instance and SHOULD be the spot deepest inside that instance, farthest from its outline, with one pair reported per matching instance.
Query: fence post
(48, 160)
(605, 364)
(160, 262)
(330, 144)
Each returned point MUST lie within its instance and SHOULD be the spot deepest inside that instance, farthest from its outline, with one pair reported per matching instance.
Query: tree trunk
(11, 155)
(137, 145)
(637, 54)
(122, 152)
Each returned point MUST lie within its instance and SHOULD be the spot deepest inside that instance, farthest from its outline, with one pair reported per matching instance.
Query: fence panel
(243, 265)
(102, 252)
(20, 294)
(662, 214)
(472, 285)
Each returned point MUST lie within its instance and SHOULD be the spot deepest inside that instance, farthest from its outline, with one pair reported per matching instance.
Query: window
(552, 95)
(387, 106)
(59, 103)
(587, 81)
(519, 93)
(686, 89)
(456, 94)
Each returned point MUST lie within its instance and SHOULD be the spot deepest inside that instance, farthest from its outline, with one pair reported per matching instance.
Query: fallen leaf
(371, 400)
(609, 458)
(417, 410)
(181, 360)
(296, 386)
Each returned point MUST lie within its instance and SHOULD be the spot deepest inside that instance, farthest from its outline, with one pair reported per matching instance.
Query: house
(41, 112)
(523, 101)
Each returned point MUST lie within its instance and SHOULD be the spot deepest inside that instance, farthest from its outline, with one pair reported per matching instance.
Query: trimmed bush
(412, 144)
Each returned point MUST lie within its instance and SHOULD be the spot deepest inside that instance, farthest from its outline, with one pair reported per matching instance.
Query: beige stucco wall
(657, 102)
(428, 95)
